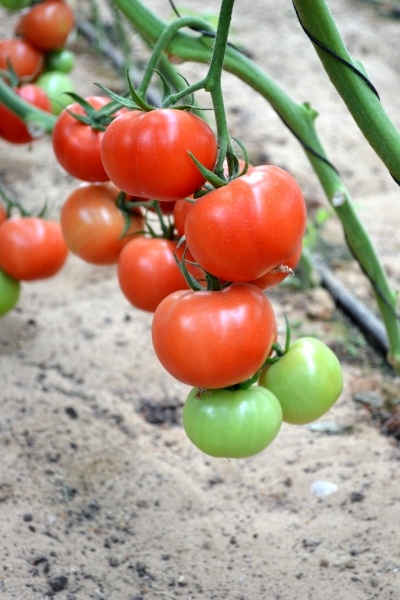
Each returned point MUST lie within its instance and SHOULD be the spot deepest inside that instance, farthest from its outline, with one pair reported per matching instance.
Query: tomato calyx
(97, 119)
(277, 352)
(136, 102)
(213, 284)
(153, 206)
(14, 207)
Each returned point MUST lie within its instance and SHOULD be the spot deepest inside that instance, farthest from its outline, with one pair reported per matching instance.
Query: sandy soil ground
(102, 496)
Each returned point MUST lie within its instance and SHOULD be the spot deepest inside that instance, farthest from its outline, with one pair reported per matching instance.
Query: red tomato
(167, 208)
(31, 248)
(181, 210)
(3, 213)
(148, 272)
(280, 272)
(26, 60)
(214, 339)
(146, 154)
(77, 146)
(243, 230)
(92, 224)
(12, 128)
(46, 25)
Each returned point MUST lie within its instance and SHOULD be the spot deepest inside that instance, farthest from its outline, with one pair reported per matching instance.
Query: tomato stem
(30, 115)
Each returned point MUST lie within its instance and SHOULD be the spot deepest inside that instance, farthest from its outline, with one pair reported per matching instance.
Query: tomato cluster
(203, 272)
(197, 249)
(36, 63)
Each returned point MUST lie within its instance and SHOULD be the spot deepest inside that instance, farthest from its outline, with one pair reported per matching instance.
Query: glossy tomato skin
(46, 25)
(26, 60)
(12, 128)
(214, 339)
(56, 85)
(243, 230)
(148, 272)
(307, 380)
(31, 248)
(180, 212)
(232, 424)
(276, 276)
(9, 293)
(146, 154)
(77, 146)
(92, 224)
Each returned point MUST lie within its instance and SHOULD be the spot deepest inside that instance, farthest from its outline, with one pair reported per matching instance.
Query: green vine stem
(300, 119)
(38, 121)
(350, 80)
(210, 83)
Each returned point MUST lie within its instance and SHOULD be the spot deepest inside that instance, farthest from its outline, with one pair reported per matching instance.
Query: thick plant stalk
(300, 119)
(351, 81)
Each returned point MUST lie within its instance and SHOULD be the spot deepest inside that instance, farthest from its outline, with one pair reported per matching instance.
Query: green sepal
(210, 176)
(121, 100)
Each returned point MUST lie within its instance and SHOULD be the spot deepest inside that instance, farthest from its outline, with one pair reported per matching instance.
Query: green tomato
(307, 380)
(232, 424)
(60, 60)
(14, 4)
(9, 293)
(55, 84)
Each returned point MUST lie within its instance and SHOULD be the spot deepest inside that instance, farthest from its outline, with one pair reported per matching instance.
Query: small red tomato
(3, 213)
(148, 272)
(31, 248)
(46, 25)
(25, 59)
(12, 127)
(280, 272)
(181, 210)
(77, 145)
(93, 226)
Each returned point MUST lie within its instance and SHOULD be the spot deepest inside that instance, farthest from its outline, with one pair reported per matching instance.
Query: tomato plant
(214, 339)
(146, 154)
(47, 24)
(9, 292)
(93, 226)
(56, 85)
(262, 213)
(12, 127)
(180, 212)
(31, 248)
(26, 60)
(148, 272)
(307, 380)
(14, 4)
(232, 424)
(279, 273)
(77, 145)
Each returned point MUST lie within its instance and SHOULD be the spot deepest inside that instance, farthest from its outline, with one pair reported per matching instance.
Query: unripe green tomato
(307, 380)
(14, 4)
(9, 293)
(232, 423)
(60, 60)
(55, 84)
